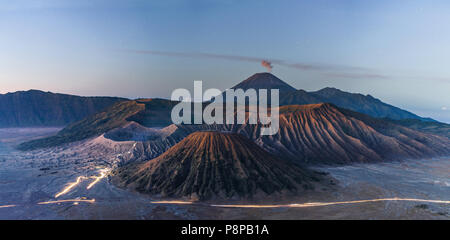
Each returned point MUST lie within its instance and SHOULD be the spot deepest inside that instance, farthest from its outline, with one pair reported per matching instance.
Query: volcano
(210, 164)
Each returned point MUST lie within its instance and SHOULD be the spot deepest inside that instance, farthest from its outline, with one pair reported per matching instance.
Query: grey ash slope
(442, 129)
(37, 108)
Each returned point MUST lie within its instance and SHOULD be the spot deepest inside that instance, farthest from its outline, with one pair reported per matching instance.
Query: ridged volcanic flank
(211, 164)
(325, 134)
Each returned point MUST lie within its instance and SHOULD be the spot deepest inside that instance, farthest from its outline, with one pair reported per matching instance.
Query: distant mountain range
(208, 165)
(37, 108)
(434, 127)
(352, 101)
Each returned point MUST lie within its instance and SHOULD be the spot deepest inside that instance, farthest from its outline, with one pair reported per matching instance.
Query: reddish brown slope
(323, 133)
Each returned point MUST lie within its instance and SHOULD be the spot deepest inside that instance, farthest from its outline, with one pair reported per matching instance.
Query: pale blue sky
(397, 51)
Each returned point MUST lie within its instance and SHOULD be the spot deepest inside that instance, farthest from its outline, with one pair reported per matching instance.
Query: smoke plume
(267, 65)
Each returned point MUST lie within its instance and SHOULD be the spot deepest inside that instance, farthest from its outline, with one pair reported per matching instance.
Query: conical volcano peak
(264, 80)
(211, 164)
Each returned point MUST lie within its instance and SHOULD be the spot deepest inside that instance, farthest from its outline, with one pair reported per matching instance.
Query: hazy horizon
(396, 51)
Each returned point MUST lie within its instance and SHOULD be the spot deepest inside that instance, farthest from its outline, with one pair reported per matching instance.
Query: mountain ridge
(326, 134)
(353, 101)
(35, 108)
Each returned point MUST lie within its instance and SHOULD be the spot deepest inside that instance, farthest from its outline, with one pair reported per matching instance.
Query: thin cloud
(357, 75)
(437, 79)
(327, 69)
(198, 55)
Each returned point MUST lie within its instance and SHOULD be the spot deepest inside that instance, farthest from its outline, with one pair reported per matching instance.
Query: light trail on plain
(172, 202)
(103, 173)
(293, 205)
(319, 204)
(7, 206)
(67, 200)
(70, 186)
